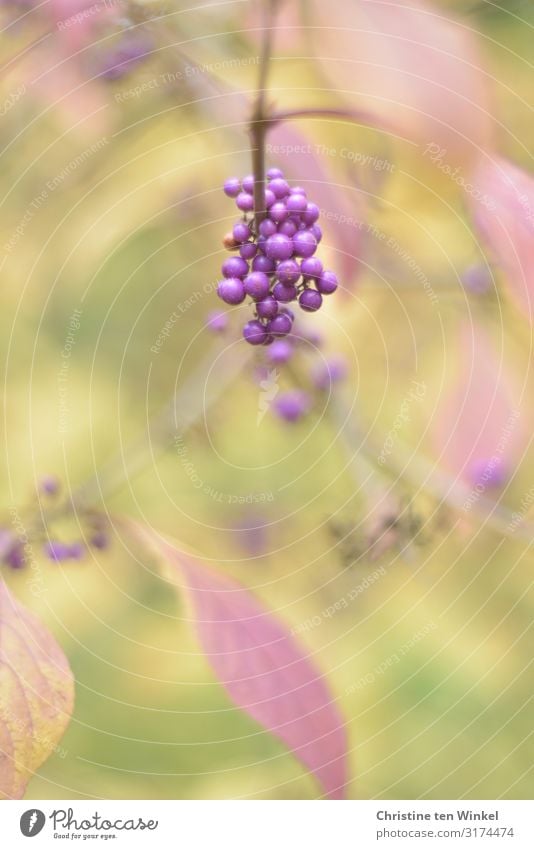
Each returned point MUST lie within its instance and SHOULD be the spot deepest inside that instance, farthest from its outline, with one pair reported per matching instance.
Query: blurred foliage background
(132, 232)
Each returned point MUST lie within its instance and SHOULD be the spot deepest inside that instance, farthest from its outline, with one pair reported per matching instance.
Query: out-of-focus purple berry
(311, 214)
(49, 485)
(217, 321)
(278, 212)
(327, 283)
(99, 540)
(254, 332)
(477, 279)
(245, 202)
(76, 550)
(288, 228)
(491, 473)
(248, 184)
(284, 293)
(304, 243)
(280, 351)
(288, 272)
(292, 406)
(296, 203)
(267, 228)
(311, 267)
(132, 50)
(279, 187)
(279, 247)
(15, 557)
(56, 550)
(241, 232)
(231, 290)
(275, 174)
(234, 266)
(267, 308)
(310, 300)
(297, 190)
(232, 187)
(248, 250)
(316, 231)
(329, 371)
(263, 263)
(270, 198)
(257, 285)
(280, 325)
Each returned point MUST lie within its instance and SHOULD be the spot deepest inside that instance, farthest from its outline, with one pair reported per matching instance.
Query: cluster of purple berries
(275, 264)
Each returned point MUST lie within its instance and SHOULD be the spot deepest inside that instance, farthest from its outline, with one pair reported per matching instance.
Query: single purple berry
(248, 250)
(234, 266)
(232, 187)
(254, 332)
(49, 485)
(279, 187)
(248, 184)
(245, 202)
(280, 351)
(327, 283)
(304, 243)
(280, 325)
(317, 232)
(56, 551)
(15, 557)
(292, 406)
(263, 263)
(284, 293)
(241, 232)
(490, 473)
(328, 372)
(270, 198)
(278, 212)
(288, 228)
(477, 279)
(296, 203)
(257, 285)
(267, 308)
(310, 300)
(217, 321)
(288, 272)
(76, 550)
(311, 267)
(311, 214)
(274, 174)
(267, 228)
(297, 190)
(99, 540)
(279, 247)
(231, 290)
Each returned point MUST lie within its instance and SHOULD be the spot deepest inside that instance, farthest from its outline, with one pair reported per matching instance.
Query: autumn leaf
(264, 670)
(36, 695)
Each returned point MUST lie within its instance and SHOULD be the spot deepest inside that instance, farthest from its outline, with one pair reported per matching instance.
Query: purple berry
(15, 557)
(267, 228)
(317, 232)
(310, 300)
(280, 325)
(304, 243)
(56, 551)
(263, 263)
(270, 198)
(311, 267)
(328, 372)
(234, 266)
(477, 279)
(279, 187)
(49, 485)
(241, 232)
(245, 202)
(292, 406)
(311, 214)
(490, 473)
(297, 190)
(296, 203)
(267, 308)
(288, 272)
(232, 187)
(287, 311)
(284, 293)
(257, 285)
(280, 351)
(288, 228)
(274, 174)
(76, 550)
(217, 321)
(231, 290)
(327, 282)
(248, 184)
(278, 212)
(254, 332)
(279, 247)
(248, 250)
(99, 540)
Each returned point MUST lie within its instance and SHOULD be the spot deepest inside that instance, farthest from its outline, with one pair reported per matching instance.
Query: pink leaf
(505, 219)
(340, 204)
(479, 430)
(264, 670)
(409, 62)
(36, 695)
